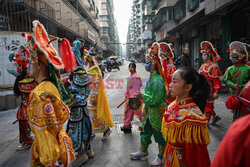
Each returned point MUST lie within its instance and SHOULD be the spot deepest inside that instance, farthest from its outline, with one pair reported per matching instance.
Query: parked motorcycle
(112, 64)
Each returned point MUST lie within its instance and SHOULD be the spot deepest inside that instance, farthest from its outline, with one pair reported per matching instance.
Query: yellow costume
(99, 113)
(47, 114)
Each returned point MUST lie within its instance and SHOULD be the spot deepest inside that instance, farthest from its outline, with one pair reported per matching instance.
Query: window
(104, 18)
(103, 6)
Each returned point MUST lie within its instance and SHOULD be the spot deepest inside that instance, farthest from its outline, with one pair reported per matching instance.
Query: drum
(134, 103)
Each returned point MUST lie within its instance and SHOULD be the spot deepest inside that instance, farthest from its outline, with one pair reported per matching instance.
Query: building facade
(72, 19)
(108, 28)
(185, 23)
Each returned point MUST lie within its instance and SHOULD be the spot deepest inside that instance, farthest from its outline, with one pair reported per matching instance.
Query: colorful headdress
(46, 53)
(238, 49)
(207, 47)
(165, 51)
(153, 55)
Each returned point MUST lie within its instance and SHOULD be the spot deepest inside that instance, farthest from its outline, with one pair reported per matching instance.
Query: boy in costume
(47, 110)
(22, 87)
(134, 84)
(212, 72)
(237, 75)
(154, 100)
(79, 125)
(97, 102)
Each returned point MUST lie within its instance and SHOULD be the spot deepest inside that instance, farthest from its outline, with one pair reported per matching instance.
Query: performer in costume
(79, 126)
(234, 149)
(154, 100)
(97, 103)
(212, 72)
(240, 102)
(22, 87)
(47, 110)
(239, 72)
(166, 53)
(134, 84)
(184, 126)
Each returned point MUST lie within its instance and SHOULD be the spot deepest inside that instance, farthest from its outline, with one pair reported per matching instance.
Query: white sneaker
(139, 156)
(156, 162)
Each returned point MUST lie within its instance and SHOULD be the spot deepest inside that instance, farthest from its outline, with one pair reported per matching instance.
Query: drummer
(134, 84)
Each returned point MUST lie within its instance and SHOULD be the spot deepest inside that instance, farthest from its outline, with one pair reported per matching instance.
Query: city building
(72, 19)
(108, 28)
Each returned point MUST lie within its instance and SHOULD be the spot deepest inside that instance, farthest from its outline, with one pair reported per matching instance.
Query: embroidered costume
(167, 56)
(47, 111)
(184, 127)
(79, 126)
(237, 75)
(234, 149)
(154, 100)
(134, 84)
(241, 102)
(25, 86)
(212, 72)
(237, 50)
(97, 103)
(22, 87)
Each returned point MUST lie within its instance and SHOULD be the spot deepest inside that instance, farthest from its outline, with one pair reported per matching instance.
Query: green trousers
(146, 139)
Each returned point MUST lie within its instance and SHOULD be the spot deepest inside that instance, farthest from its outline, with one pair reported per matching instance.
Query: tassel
(68, 56)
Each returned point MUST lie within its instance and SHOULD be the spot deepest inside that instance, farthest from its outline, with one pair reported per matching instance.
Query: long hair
(200, 86)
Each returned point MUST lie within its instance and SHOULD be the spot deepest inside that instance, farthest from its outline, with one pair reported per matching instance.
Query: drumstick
(121, 103)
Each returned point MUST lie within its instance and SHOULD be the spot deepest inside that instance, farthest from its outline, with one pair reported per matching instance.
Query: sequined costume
(231, 76)
(155, 94)
(184, 127)
(25, 86)
(47, 114)
(97, 103)
(47, 110)
(79, 126)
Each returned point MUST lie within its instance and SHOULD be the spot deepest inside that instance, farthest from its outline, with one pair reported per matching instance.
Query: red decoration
(155, 57)
(35, 46)
(68, 56)
(29, 37)
(228, 51)
(23, 34)
(232, 102)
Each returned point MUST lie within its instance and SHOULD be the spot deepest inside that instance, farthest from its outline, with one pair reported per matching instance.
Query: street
(115, 151)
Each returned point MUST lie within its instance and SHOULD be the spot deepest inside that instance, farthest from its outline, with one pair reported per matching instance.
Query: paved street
(113, 152)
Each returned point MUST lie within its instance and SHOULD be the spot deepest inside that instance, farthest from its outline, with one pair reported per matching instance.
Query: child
(133, 85)
(212, 72)
(184, 126)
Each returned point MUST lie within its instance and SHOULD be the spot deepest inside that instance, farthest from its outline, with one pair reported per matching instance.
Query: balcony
(192, 5)
(180, 10)
(159, 19)
(155, 4)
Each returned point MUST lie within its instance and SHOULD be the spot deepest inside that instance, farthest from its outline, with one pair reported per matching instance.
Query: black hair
(16, 89)
(200, 86)
(133, 65)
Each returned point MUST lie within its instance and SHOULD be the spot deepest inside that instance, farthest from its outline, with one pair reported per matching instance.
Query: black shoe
(106, 134)
(215, 120)
(126, 130)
